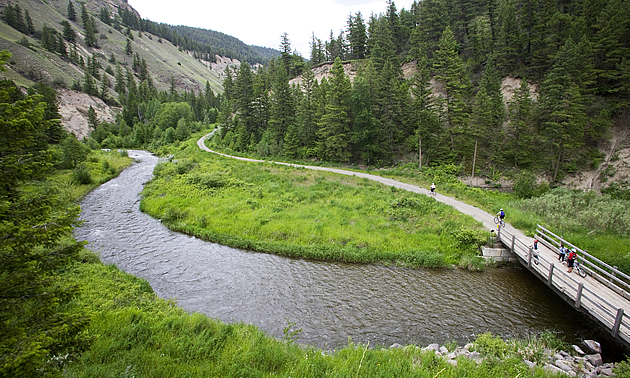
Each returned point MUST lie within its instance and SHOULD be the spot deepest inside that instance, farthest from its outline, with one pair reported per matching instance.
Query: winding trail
(485, 218)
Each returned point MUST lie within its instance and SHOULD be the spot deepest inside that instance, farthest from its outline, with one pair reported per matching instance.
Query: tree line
(571, 52)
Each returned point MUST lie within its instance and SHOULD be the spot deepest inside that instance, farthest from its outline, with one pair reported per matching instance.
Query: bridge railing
(583, 297)
(608, 275)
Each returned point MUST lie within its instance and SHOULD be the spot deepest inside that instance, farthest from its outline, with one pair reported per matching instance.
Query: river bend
(330, 301)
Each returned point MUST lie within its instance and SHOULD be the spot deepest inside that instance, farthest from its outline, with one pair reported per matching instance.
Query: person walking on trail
(571, 260)
(432, 188)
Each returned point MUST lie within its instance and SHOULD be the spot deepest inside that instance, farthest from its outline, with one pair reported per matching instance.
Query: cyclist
(432, 188)
(571, 259)
(536, 244)
(562, 253)
(501, 215)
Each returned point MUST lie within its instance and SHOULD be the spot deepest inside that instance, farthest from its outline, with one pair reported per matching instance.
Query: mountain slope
(166, 62)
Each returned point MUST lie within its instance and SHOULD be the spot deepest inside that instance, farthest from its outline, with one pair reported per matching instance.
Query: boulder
(443, 350)
(563, 365)
(578, 350)
(395, 346)
(592, 346)
(595, 359)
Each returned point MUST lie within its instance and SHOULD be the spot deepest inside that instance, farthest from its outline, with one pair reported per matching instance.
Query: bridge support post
(513, 240)
(578, 298)
(529, 258)
(549, 280)
(615, 329)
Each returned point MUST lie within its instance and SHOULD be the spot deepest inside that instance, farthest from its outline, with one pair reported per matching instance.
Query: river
(331, 302)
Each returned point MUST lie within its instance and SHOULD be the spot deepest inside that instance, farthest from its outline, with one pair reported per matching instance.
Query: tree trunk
(419, 150)
(560, 153)
(474, 159)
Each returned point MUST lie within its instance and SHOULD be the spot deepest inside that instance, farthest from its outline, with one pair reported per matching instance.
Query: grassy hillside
(31, 62)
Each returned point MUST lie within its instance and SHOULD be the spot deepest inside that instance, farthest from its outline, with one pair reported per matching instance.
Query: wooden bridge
(603, 295)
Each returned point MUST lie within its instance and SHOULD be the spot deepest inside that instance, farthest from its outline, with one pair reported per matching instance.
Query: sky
(262, 22)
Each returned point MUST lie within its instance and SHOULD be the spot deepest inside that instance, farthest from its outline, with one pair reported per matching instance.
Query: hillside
(165, 60)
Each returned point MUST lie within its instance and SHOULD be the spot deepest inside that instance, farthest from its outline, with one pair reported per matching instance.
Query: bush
(525, 184)
(81, 174)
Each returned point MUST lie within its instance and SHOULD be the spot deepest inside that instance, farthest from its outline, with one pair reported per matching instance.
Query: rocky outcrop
(73, 107)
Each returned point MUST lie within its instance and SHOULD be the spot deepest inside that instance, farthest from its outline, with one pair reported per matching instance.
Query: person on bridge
(536, 244)
(571, 259)
(501, 214)
(432, 187)
(562, 253)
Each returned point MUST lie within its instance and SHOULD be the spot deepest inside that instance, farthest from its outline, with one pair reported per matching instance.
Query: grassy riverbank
(305, 213)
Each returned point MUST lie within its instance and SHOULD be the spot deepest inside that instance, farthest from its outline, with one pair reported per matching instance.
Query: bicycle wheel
(536, 260)
(581, 271)
(496, 220)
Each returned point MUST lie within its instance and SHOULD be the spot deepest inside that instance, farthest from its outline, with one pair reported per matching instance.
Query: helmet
(573, 250)
(501, 209)
(432, 183)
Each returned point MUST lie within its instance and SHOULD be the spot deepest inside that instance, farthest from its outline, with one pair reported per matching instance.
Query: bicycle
(432, 193)
(500, 221)
(578, 267)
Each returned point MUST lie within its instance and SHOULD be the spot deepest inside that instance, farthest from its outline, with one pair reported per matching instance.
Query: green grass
(305, 213)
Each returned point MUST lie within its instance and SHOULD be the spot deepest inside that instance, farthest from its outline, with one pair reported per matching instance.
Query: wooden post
(578, 298)
(615, 329)
(529, 259)
(549, 280)
(612, 274)
(513, 240)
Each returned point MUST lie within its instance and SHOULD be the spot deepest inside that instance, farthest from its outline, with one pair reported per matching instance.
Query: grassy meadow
(305, 213)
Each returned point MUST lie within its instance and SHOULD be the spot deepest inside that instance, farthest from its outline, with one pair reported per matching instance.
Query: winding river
(331, 302)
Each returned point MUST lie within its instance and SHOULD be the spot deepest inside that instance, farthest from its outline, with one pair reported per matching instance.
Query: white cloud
(262, 23)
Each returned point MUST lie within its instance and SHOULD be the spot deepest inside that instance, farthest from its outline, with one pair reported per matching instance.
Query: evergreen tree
(105, 16)
(30, 28)
(89, 86)
(34, 324)
(357, 37)
(318, 54)
(334, 127)
(424, 115)
(563, 116)
(128, 49)
(72, 14)
(450, 72)
(68, 32)
(307, 112)
(282, 108)
(365, 127)
(520, 131)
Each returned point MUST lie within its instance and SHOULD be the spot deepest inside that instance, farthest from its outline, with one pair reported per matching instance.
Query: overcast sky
(262, 22)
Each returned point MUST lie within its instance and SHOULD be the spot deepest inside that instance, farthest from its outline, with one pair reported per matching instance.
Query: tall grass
(304, 213)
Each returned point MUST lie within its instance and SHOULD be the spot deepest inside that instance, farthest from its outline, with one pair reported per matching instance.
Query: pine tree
(85, 17)
(105, 16)
(35, 325)
(334, 127)
(89, 86)
(72, 14)
(357, 36)
(128, 49)
(306, 111)
(424, 114)
(317, 54)
(519, 146)
(365, 133)
(68, 32)
(450, 72)
(30, 28)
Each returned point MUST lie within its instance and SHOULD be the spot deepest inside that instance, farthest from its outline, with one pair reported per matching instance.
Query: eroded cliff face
(73, 107)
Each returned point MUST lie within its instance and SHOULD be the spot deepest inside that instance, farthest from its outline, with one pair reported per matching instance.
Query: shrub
(525, 184)
(81, 174)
